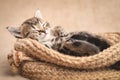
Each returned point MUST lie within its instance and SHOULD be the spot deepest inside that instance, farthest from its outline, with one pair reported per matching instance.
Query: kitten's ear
(15, 31)
(38, 14)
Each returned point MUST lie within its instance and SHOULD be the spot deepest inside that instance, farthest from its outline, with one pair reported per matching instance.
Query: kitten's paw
(83, 48)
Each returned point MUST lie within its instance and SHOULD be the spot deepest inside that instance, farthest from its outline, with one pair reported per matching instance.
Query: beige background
(73, 15)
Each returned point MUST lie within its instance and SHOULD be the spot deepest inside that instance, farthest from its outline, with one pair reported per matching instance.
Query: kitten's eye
(41, 31)
(33, 26)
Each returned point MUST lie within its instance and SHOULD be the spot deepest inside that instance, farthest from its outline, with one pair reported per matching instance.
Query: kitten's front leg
(80, 47)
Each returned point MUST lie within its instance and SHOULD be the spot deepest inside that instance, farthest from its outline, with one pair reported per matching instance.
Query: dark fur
(75, 39)
(94, 39)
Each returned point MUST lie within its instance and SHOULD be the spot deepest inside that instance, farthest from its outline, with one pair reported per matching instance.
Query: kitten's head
(31, 28)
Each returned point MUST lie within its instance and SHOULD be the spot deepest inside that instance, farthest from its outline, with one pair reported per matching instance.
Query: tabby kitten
(74, 43)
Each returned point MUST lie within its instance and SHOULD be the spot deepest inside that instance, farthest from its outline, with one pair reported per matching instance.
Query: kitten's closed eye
(41, 31)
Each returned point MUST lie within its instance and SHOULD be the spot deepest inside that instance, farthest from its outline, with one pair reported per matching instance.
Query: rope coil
(43, 70)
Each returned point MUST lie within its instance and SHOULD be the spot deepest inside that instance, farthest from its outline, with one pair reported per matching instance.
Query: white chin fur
(45, 37)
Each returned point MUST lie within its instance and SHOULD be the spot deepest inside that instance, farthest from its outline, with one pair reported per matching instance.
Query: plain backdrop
(72, 15)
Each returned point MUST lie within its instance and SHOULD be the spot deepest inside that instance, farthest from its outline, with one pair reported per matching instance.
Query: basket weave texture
(52, 65)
